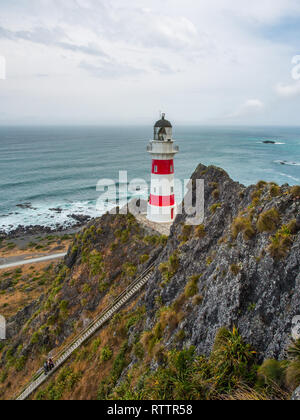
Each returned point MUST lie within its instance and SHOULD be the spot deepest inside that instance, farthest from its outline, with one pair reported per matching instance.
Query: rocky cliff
(246, 257)
(239, 269)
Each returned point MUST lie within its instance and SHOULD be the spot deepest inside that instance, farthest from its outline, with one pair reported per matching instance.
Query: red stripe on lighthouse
(163, 167)
(162, 201)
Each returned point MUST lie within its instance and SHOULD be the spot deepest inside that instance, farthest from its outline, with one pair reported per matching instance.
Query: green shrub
(64, 306)
(119, 363)
(139, 351)
(215, 207)
(292, 377)
(198, 299)
(148, 340)
(271, 372)
(170, 268)
(129, 269)
(180, 336)
(292, 226)
(3, 376)
(256, 195)
(156, 240)
(35, 338)
(243, 224)
(213, 185)
(167, 317)
(275, 190)
(209, 261)
(200, 231)
(261, 184)
(186, 233)
(216, 194)
(106, 354)
(66, 381)
(235, 269)
(280, 243)
(20, 363)
(295, 191)
(232, 361)
(268, 221)
(144, 259)
(191, 289)
(103, 286)
(86, 288)
(96, 344)
(294, 350)
(95, 263)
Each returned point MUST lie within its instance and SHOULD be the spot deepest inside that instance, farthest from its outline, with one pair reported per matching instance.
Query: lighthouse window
(172, 190)
(155, 169)
(171, 168)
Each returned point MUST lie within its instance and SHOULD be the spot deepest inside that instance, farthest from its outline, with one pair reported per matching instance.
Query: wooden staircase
(40, 377)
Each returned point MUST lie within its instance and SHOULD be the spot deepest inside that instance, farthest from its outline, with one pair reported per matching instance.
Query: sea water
(47, 168)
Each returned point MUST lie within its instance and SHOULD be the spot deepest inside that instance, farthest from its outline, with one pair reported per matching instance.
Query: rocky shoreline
(79, 222)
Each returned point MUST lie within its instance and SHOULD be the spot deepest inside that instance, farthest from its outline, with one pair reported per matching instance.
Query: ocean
(48, 168)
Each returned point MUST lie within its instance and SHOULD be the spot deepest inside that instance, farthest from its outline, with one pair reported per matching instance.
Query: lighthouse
(162, 205)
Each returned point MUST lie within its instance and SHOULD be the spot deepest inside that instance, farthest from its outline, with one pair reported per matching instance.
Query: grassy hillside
(214, 321)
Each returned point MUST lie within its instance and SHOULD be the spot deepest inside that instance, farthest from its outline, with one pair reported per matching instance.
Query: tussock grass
(200, 231)
(268, 221)
(281, 243)
(191, 289)
(243, 224)
(295, 191)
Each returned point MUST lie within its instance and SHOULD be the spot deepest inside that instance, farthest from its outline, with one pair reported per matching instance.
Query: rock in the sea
(56, 210)
(296, 395)
(24, 206)
(80, 218)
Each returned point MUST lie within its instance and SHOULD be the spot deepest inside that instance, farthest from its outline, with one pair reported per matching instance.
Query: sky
(104, 62)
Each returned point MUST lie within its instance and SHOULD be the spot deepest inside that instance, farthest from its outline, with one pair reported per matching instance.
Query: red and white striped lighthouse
(162, 205)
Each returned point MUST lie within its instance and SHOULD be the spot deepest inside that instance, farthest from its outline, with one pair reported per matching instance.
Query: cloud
(251, 106)
(110, 70)
(161, 67)
(288, 91)
(195, 59)
(51, 37)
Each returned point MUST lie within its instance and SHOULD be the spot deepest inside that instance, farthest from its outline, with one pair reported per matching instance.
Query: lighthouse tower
(162, 206)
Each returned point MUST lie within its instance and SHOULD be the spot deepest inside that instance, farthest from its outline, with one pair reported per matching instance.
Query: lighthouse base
(161, 214)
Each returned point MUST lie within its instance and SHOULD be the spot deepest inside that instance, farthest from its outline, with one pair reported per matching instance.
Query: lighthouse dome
(163, 123)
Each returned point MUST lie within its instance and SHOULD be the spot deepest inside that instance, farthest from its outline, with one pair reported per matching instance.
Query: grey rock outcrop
(241, 284)
(296, 395)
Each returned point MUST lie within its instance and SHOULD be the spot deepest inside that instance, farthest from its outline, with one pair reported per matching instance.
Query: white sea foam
(42, 215)
(291, 177)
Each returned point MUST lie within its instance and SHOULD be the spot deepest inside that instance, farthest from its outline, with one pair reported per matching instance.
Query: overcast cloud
(110, 61)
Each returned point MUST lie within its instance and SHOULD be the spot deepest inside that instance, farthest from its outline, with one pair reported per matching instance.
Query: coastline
(38, 230)
(37, 241)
